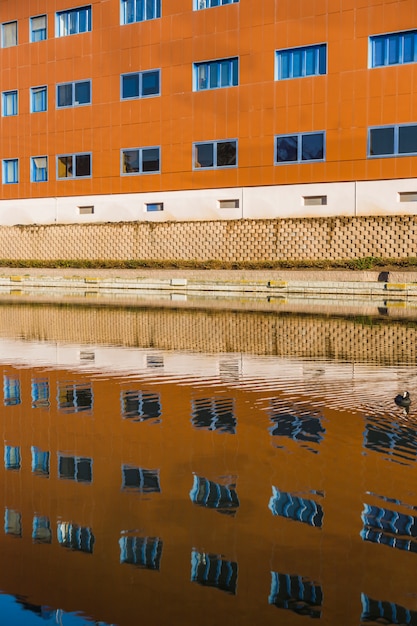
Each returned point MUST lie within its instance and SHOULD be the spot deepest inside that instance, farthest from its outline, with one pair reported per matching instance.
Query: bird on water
(403, 400)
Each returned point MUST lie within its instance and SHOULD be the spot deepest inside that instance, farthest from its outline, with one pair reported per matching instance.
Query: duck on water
(403, 400)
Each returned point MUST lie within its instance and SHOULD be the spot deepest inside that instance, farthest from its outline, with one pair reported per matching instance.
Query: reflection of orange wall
(335, 556)
(343, 103)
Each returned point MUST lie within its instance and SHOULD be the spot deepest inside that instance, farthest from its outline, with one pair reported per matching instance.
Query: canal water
(169, 465)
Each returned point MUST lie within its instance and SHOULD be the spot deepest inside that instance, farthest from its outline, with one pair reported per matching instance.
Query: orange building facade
(124, 110)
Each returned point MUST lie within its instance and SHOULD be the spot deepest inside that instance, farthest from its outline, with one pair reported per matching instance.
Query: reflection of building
(234, 108)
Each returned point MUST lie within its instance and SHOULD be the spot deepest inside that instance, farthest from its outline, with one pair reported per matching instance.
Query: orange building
(122, 110)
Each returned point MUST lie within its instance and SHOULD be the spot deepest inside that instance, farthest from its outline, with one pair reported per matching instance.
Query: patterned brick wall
(227, 241)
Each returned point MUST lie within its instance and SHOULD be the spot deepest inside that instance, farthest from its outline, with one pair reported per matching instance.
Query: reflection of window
(75, 468)
(297, 62)
(390, 438)
(377, 611)
(140, 84)
(38, 99)
(140, 405)
(11, 390)
(215, 154)
(73, 166)
(40, 393)
(214, 414)
(215, 74)
(296, 593)
(211, 570)
(12, 459)
(214, 495)
(296, 508)
(144, 552)
(154, 360)
(73, 94)
(207, 4)
(9, 103)
(299, 148)
(389, 528)
(73, 21)
(12, 523)
(139, 10)
(140, 161)
(38, 28)
(41, 529)
(40, 461)
(75, 397)
(140, 479)
(75, 537)
(392, 140)
(302, 426)
(393, 48)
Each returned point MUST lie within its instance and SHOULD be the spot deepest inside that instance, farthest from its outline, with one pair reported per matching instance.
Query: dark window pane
(409, 46)
(297, 63)
(84, 471)
(393, 49)
(381, 141)
(67, 467)
(204, 155)
(131, 161)
(312, 147)
(65, 167)
(65, 95)
(130, 86)
(226, 153)
(150, 160)
(214, 74)
(322, 60)
(82, 165)
(150, 83)
(407, 139)
(287, 149)
(82, 93)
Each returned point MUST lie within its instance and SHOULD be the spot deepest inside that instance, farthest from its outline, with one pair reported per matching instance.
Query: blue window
(140, 161)
(39, 169)
(392, 140)
(211, 570)
(215, 154)
(140, 84)
(38, 99)
(12, 459)
(73, 94)
(389, 528)
(296, 593)
(143, 552)
(139, 10)
(12, 523)
(75, 537)
(11, 390)
(296, 508)
(216, 74)
(299, 148)
(41, 529)
(40, 462)
(9, 103)
(73, 21)
(212, 495)
(380, 611)
(75, 468)
(298, 62)
(214, 414)
(73, 166)
(40, 393)
(10, 171)
(393, 49)
(207, 4)
(38, 28)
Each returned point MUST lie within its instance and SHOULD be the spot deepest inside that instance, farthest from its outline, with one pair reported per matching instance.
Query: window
(40, 462)
(10, 171)
(303, 425)
(228, 204)
(9, 102)
(75, 468)
(139, 10)
(73, 94)
(9, 35)
(86, 210)
(392, 140)
(39, 169)
(143, 552)
(314, 200)
(11, 390)
(289, 591)
(298, 62)
(389, 528)
(299, 148)
(211, 570)
(207, 4)
(40, 393)
(75, 537)
(393, 49)
(12, 523)
(140, 161)
(38, 99)
(140, 479)
(380, 611)
(140, 84)
(151, 207)
(41, 529)
(296, 508)
(214, 414)
(140, 406)
(73, 21)
(215, 154)
(214, 495)
(74, 166)
(38, 28)
(215, 74)
(12, 459)
(407, 196)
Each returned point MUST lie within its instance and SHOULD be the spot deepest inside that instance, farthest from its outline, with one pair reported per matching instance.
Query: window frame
(16, 38)
(217, 64)
(124, 21)
(385, 39)
(75, 11)
(73, 85)
(140, 76)
(4, 163)
(15, 102)
(74, 156)
(33, 91)
(198, 4)
(34, 169)
(300, 160)
(396, 142)
(316, 48)
(32, 39)
(214, 143)
(140, 151)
